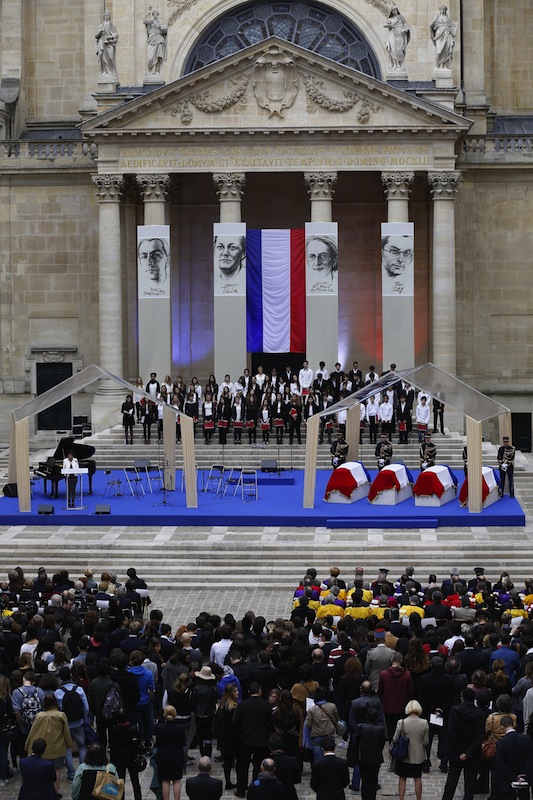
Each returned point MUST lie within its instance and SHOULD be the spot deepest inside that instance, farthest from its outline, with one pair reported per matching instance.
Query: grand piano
(50, 470)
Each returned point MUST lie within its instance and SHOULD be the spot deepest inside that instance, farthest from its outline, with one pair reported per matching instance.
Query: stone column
(321, 188)
(443, 187)
(154, 190)
(229, 346)
(230, 188)
(397, 187)
(108, 191)
(154, 313)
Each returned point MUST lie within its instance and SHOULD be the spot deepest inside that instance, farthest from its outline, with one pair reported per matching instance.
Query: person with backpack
(105, 699)
(27, 701)
(51, 724)
(72, 701)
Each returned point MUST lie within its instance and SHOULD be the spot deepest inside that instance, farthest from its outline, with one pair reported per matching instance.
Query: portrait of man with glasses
(397, 258)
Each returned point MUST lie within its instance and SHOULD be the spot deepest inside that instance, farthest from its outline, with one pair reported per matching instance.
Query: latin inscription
(254, 157)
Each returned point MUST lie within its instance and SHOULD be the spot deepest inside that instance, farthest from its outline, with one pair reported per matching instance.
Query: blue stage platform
(279, 504)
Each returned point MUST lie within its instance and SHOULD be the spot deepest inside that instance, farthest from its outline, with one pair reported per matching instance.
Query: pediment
(275, 86)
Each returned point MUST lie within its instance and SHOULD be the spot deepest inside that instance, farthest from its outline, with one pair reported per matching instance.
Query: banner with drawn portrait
(397, 293)
(153, 260)
(321, 258)
(153, 304)
(229, 259)
(397, 259)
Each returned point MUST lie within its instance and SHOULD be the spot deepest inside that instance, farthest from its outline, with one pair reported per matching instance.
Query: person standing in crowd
(52, 726)
(330, 774)
(370, 736)
(38, 775)
(203, 786)
(417, 731)
(466, 730)
(170, 741)
(252, 726)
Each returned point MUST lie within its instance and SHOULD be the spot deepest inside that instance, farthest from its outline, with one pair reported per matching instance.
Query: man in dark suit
(38, 775)
(514, 761)
(287, 769)
(471, 658)
(330, 774)
(203, 786)
(251, 728)
(466, 729)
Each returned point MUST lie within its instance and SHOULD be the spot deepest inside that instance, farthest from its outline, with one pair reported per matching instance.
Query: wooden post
(475, 463)
(169, 447)
(311, 449)
(353, 432)
(22, 448)
(189, 461)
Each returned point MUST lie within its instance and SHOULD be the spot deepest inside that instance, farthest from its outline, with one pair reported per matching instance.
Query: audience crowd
(94, 682)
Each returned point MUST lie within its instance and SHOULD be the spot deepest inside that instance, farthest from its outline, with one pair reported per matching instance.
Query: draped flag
(275, 291)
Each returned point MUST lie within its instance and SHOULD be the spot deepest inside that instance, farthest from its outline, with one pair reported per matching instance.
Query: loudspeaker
(103, 509)
(269, 465)
(48, 510)
(10, 490)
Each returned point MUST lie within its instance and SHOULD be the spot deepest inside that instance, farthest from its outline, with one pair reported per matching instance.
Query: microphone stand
(165, 501)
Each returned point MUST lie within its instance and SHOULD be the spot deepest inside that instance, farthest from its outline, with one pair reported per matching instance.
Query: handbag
(488, 748)
(107, 785)
(140, 763)
(400, 749)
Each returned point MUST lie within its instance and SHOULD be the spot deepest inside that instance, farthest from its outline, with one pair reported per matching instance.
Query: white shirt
(385, 412)
(372, 410)
(305, 376)
(260, 378)
(422, 414)
(68, 464)
(323, 372)
(369, 379)
(230, 386)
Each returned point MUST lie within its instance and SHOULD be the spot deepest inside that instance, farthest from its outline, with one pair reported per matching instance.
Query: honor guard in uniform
(506, 454)
(339, 451)
(428, 452)
(383, 452)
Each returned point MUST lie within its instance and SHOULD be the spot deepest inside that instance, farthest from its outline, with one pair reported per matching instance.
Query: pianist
(71, 463)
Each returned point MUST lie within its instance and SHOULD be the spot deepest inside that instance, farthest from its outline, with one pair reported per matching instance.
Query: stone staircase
(220, 559)
(113, 453)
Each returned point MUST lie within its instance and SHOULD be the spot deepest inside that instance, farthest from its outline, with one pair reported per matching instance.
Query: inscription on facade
(276, 157)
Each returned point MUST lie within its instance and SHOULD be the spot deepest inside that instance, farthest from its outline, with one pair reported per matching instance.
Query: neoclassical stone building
(272, 114)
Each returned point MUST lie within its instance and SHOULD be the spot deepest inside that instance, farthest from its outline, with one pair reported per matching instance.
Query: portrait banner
(321, 289)
(321, 258)
(153, 292)
(229, 298)
(229, 259)
(153, 261)
(397, 293)
(397, 259)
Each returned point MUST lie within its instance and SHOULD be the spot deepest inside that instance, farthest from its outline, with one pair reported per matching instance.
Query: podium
(73, 473)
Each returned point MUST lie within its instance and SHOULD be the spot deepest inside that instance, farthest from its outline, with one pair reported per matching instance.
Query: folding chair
(215, 479)
(134, 481)
(248, 483)
(233, 480)
(113, 487)
(197, 469)
(154, 475)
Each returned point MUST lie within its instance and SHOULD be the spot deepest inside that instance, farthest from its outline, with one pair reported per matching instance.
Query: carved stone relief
(275, 81)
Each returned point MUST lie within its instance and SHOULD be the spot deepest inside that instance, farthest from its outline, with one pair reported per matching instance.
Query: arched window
(310, 25)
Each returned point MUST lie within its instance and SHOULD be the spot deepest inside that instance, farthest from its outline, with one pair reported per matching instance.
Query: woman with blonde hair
(417, 730)
(170, 741)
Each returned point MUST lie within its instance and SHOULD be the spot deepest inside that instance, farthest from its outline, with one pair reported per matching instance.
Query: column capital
(229, 185)
(444, 185)
(154, 187)
(321, 185)
(108, 187)
(397, 185)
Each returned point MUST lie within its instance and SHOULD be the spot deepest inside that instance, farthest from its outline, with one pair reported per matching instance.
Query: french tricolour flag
(275, 291)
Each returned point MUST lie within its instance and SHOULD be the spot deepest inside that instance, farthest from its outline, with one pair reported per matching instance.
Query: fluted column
(230, 188)
(229, 345)
(443, 187)
(321, 188)
(397, 187)
(154, 190)
(108, 191)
